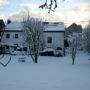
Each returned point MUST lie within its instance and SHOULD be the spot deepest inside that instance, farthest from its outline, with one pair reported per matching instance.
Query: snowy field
(51, 73)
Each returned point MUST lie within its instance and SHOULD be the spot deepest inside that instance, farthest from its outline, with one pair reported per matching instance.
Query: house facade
(54, 35)
(14, 36)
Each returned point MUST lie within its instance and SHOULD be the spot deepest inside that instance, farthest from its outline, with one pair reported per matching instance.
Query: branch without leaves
(51, 6)
(4, 65)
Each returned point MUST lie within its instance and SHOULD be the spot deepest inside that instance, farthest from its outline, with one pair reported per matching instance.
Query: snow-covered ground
(51, 73)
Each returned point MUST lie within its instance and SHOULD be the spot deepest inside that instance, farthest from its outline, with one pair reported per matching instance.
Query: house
(14, 36)
(54, 35)
(73, 28)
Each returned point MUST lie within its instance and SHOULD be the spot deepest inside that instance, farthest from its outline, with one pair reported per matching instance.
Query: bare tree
(33, 30)
(51, 6)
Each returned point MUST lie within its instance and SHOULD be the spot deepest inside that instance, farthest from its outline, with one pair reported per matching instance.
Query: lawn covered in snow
(50, 73)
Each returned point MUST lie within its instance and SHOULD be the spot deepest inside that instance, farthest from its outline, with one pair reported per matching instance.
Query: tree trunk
(73, 59)
(36, 58)
(73, 55)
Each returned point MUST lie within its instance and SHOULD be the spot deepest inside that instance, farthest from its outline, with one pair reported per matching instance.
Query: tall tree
(33, 30)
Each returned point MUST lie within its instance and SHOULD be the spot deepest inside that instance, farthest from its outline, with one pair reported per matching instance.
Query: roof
(55, 27)
(16, 26)
(74, 28)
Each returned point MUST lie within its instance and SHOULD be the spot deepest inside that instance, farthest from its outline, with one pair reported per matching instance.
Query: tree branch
(52, 5)
(1, 56)
(4, 65)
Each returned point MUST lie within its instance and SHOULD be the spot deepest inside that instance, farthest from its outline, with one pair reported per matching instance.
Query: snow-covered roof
(17, 26)
(55, 27)
(7, 44)
(14, 26)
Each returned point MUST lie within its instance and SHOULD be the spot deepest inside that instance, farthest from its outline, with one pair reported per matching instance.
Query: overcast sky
(68, 11)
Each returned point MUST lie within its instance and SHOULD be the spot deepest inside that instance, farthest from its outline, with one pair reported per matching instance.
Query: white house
(53, 36)
(13, 36)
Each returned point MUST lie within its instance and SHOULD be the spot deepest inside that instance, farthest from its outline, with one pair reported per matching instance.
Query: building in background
(73, 28)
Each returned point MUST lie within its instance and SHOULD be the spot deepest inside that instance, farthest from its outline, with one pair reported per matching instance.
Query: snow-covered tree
(74, 42)
(86, 38)
(33, 30)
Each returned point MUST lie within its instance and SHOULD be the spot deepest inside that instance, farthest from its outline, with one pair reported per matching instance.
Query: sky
(68, 11)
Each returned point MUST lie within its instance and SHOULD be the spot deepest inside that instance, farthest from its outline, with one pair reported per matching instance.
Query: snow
(18, 26)
(14, 26)
(50, 73)
(55, 27)
(48, 49)
(7, 43)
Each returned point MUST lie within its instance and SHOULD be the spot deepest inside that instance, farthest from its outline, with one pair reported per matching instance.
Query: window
(16, 35)
(7, 47)
(49, 40)
(7, 35)
(25, 49)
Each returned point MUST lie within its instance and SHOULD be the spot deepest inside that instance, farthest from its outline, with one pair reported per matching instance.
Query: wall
(12, 40)
(57, 39)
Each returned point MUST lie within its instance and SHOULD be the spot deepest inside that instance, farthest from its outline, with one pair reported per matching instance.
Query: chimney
(8, 21)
